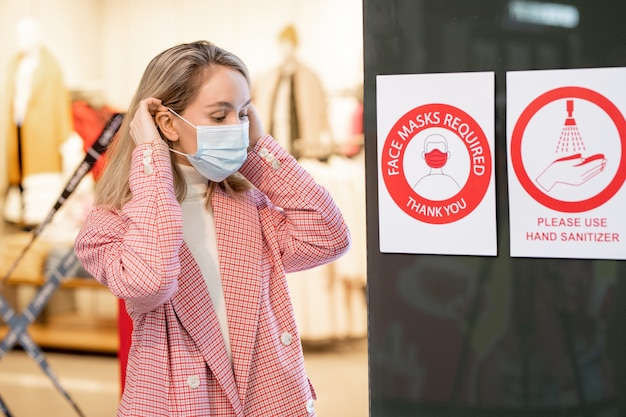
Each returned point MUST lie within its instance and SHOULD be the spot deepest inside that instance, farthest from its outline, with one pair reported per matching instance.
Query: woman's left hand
(256, 127)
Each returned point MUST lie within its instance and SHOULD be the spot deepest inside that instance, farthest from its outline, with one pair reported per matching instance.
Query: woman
(197, 243)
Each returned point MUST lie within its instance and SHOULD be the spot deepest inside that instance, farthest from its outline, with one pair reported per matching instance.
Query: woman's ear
(165, 123)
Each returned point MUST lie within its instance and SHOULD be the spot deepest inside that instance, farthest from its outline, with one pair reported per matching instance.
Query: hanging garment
(311, 108)
(47, 122)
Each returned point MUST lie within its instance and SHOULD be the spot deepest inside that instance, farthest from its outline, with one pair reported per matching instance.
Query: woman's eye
(219, 119)
(243, 116)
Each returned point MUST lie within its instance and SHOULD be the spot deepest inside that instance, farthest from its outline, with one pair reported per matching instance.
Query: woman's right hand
(143, 127)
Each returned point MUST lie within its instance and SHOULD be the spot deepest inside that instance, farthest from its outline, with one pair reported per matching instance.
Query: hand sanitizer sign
(567, 163)
(435, 155)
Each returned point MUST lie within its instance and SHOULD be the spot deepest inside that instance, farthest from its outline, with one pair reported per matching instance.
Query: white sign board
(435, 163)
(567, 163)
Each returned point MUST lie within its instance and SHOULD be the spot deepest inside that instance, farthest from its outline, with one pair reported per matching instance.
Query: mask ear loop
(178, 152)
(185, 120)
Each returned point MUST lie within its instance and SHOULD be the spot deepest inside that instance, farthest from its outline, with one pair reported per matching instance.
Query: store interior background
(103, 47)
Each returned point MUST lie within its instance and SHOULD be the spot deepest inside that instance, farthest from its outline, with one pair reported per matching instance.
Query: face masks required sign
(435, 163)
(567, 163)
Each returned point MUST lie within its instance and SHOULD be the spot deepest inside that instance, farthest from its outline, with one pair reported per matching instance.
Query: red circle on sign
(516, 149)
(411, 124)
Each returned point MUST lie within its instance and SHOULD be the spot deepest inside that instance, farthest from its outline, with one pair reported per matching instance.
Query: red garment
(178, 364)
(124, 332)
(89, 122)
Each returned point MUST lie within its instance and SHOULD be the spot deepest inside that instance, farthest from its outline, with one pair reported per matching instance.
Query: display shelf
(55, 328)
(70, 331)
(74, 332)
(65, 283)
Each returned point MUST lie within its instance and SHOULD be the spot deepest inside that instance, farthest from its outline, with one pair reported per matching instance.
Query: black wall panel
(490, 336)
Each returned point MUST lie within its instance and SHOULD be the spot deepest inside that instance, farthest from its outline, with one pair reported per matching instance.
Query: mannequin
(293, 104)
(329, 300)
(39, 122)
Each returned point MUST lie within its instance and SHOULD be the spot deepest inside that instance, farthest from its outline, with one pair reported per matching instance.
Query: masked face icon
(436, 152)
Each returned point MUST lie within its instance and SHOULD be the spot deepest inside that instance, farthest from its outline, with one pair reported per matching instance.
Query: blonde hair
(175, 77)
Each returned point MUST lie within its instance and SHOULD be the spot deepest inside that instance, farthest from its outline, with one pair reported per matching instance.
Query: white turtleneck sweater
(202, 242)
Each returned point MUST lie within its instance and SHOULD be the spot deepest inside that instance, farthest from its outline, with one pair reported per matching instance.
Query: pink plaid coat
(178, 364)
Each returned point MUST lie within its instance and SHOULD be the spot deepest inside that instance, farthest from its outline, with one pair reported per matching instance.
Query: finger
(155, 105)
(161, 109)
(592, 172)
(151, 105)
(592, 166)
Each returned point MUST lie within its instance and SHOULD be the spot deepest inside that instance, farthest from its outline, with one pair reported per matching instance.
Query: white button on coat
(193, 381)
(286, 338)
(276, 164)
(269, 157)
(147, 162)
(310, 406)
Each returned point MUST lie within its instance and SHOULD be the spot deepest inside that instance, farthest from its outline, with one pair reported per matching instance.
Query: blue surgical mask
(222, 150)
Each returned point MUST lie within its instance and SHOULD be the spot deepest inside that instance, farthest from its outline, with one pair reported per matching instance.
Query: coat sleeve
(134, 251)
(309, 228)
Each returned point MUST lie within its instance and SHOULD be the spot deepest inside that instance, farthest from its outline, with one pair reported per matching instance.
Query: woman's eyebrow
(227, 104)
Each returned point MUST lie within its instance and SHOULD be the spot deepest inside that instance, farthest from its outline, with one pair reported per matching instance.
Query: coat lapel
(240, 267)
(207, 335)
